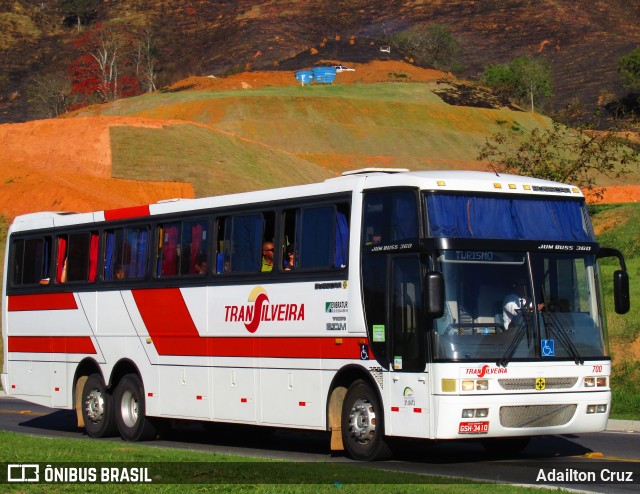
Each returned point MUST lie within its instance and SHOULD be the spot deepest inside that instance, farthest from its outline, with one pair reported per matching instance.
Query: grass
(405, 123)
(620, 228)
(213, 472)
(213, 162)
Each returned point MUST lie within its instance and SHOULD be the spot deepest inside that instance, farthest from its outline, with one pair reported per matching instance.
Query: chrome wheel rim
(362, 421)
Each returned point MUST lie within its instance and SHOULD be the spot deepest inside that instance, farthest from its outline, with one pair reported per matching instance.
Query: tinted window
(31, 259)
(77, 257)
(182, 248)
(125, 253)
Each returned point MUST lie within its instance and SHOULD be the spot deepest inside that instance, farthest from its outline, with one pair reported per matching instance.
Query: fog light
(591, 408)
(449, 385)
(482, 412)
(601, 382)
(482, 384)
(468, 385)
(589, 382)
(467, 414)
(601, 408)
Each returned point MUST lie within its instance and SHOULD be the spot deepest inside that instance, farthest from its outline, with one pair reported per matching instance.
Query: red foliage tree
(103, 71)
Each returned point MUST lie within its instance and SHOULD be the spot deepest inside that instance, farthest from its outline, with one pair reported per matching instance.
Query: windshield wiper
(522, 329)
(555, 327)
(560, 332)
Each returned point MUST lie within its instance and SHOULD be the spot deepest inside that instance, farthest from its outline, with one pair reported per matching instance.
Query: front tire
(130, 410)
(363, 424)
(97, 408)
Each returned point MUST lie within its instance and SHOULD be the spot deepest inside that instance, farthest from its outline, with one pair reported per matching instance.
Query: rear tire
(97, 408)
(363, 424)
(129, 405)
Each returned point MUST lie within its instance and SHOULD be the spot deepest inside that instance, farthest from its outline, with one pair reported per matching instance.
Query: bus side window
(390, 216)
(242, 237)
(321, 237)
(31, 261)
(77, 257)
(242, 243)
(125, 253)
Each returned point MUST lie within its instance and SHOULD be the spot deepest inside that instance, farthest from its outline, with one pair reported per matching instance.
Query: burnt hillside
(582, 39)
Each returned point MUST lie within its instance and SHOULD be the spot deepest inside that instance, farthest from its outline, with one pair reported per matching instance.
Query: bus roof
(438, 180)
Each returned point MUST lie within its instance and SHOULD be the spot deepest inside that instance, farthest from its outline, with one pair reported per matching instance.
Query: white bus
(373, 305)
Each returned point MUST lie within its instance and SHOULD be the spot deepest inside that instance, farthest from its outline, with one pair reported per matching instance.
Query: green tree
(629, 69)
(562, 154)
(523, 79)
(434, 47)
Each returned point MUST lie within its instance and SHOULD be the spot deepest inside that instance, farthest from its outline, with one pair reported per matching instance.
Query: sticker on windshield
(548, 348)
(378, 333)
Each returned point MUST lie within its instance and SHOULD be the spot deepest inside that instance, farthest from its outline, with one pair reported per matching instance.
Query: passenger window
(390, 216)
(125, 253)
(182, 248)
(316, 238)
(77, 257)
(243, 240)
(31, 261)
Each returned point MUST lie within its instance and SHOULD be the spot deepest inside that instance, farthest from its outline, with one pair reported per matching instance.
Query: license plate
(473, 428)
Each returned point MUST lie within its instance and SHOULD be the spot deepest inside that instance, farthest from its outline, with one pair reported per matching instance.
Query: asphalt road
(607, 452)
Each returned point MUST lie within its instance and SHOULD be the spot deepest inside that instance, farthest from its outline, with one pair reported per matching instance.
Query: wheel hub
(362, 421)
(129, 409)
(94, 406)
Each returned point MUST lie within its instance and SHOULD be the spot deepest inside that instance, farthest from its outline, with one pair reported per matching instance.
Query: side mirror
(434, 286)
(621, 291)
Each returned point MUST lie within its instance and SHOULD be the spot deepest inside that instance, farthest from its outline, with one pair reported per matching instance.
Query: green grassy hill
(335, 127)
(619, 226)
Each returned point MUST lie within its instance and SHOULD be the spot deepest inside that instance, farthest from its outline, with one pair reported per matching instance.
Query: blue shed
(304, 76)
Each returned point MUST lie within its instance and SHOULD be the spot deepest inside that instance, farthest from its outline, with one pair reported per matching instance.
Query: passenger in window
(267, 257)
(201, 265)
(289, 258)
(63, 274)
(119, 273)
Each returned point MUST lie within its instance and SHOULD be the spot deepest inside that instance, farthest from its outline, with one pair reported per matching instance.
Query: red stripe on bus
(42, 301)
(125, 213)
(51, 344)
(173, 332)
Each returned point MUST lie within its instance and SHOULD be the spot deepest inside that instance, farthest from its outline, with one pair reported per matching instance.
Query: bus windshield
(507, 306)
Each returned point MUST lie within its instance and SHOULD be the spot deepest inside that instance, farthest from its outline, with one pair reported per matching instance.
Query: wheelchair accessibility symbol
(364, 352)
(548, 348)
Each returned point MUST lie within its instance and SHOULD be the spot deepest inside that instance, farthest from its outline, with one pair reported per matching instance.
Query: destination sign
(482, 256)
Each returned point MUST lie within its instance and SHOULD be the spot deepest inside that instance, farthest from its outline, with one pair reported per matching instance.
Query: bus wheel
(505, 445)
(97, 408)
(362, 424)
(133, 425)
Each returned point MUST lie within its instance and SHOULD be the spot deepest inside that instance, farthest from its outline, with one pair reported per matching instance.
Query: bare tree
(50, 95)
(146, 58)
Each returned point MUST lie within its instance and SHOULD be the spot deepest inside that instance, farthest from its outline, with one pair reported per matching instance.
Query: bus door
(409, 383)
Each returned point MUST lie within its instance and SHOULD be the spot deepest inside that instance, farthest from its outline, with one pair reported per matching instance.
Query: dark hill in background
(582, 39)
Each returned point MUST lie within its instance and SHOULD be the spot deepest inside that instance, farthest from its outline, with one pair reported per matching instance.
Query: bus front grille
(529, 416)
(530, 383)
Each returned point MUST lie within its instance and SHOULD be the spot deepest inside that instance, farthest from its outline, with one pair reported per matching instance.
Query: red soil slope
(65, 164)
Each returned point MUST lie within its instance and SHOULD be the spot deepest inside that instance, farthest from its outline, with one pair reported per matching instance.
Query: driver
(514, 303)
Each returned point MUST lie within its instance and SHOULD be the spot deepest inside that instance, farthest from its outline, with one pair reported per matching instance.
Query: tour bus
(373, 305)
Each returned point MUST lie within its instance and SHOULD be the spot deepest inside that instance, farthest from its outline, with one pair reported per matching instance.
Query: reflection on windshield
(507, 305)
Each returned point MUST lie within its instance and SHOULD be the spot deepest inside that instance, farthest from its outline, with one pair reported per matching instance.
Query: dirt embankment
(65, 165)
(377, 71)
